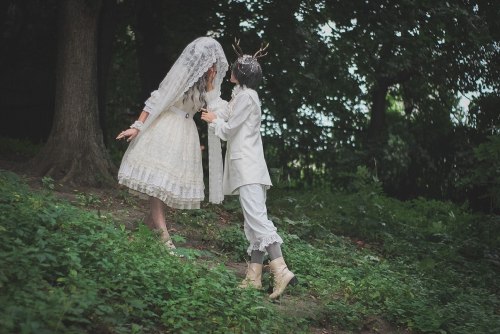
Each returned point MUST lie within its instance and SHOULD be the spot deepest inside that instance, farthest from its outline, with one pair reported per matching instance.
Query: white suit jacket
(238, 123)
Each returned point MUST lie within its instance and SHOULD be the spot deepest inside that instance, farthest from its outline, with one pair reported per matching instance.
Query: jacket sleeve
(216, 104)
(237, 113)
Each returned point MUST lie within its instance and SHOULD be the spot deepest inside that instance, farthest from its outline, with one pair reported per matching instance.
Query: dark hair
(247, 73)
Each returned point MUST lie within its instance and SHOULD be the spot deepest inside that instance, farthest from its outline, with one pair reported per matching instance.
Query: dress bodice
(190, 104)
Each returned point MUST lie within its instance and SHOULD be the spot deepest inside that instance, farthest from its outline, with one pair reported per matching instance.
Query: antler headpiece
(248, 65)
(237, 48)
(262, 51)
(259, 54)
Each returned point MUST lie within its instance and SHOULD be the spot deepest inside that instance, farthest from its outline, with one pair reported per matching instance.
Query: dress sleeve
(237, 114)
(151, 104)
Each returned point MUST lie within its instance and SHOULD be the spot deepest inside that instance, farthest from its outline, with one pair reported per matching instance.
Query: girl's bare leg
(157, 217)
(148, 221)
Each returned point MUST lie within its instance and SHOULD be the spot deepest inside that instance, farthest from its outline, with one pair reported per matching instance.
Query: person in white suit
(245, 171)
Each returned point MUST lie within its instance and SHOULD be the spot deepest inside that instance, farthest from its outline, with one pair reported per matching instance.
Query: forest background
(374, 84)
(392, 101)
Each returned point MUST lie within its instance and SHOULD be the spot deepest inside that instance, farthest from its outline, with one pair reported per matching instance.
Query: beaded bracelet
(137, 125)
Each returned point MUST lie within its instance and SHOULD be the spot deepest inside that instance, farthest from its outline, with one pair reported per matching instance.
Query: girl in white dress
(163, 160)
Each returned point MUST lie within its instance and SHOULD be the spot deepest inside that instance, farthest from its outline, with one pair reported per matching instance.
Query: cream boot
(253, 278)
(282, 277)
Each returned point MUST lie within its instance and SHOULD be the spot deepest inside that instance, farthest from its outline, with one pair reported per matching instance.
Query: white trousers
(259, 230)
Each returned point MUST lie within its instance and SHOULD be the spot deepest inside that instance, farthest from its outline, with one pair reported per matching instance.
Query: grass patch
(422, 265)
(65, 270)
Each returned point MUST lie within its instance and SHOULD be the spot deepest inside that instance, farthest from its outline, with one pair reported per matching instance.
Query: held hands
(129, 134)
(207, 116)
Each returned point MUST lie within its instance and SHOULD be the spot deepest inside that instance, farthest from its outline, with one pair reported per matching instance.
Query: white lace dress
(164, 160)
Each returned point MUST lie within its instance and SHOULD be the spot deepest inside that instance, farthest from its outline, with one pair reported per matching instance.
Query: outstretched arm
(131, 133)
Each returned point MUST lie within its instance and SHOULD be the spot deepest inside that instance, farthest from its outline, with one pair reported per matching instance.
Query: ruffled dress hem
(145, 181)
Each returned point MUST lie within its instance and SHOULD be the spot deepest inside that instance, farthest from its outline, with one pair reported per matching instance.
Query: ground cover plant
(366, 263)
(427, 265)
(67, 270)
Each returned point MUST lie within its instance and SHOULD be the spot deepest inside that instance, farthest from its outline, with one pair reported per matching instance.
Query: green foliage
(196, 217)
(232, 240)
(421, 264)
(87, 199)
(483, 115)
(486, 172)
(412, 48)
(65, 270)
(427, 266)
(317, 93)
(48, 183)
(123, 104)
(18, 147)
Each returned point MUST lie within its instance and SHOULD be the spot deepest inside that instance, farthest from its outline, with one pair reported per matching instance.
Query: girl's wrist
(137, 125)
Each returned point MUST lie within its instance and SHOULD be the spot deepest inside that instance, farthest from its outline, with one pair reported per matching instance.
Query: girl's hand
(129, 134)
(207, 116)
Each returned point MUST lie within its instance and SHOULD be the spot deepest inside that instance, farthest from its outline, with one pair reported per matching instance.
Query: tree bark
(108, 22)
(377, 113)
(74, 152)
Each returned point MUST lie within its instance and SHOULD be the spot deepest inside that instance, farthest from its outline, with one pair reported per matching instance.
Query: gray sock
(274, 251)
(257, 257)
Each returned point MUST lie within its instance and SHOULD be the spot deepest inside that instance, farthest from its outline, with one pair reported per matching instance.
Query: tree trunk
(74, 152)
(108, 22)
(377, 113)
(407, 100)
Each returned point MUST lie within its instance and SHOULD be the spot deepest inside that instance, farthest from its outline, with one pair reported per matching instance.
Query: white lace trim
(237, 89)
(262, 244)
(150, 182)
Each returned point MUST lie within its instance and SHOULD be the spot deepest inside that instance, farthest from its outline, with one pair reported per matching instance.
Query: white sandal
(171, 248)
(169, 244)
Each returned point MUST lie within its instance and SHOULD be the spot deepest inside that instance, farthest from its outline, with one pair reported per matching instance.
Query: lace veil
(195, 61)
